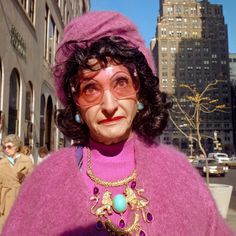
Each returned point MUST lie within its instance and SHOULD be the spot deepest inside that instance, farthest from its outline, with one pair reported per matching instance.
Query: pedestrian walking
(42, 154)
(14, 167)
(26, 150)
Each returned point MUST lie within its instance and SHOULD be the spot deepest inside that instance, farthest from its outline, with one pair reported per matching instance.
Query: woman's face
(108, 103)
(9, 149)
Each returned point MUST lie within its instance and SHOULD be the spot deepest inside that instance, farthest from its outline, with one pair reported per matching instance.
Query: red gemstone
(99, 225)
(149, 217)
(122, 224)
(95, 190)
(141, 233)
(133, 184)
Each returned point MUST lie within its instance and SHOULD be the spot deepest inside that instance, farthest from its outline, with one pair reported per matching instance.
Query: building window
(64, 10)
(1, 73)
(178, 9)
(49, 135)
(164, 49)
(42, 121)
(57, 38)
(163, 32)
(171, 33)
(51, 48)
(169, 10)
(194, 34)
(186, 34)
(31, 9)
(28, 132)
(51, 37)
(193, 10)
(179, 34)
(14, 89)
(67, 16)
(46, 17)
(84, 6)
(24, 4)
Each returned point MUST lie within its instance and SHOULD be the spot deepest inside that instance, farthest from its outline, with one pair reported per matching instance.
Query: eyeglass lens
(8, 147)
(92, 91)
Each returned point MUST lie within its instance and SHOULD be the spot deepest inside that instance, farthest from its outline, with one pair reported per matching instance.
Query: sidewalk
(231, 219)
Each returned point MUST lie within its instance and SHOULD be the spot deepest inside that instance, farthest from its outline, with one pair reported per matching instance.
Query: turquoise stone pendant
(119, 203)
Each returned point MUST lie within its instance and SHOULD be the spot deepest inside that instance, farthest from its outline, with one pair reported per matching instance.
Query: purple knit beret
(91, 27)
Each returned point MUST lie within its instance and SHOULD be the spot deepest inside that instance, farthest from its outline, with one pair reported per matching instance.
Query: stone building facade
(30, 31)
(191, 48)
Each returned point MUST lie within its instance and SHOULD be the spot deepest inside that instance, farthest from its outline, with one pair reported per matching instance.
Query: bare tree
(198, 103)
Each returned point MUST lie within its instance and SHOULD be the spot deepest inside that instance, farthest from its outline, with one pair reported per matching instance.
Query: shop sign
(18, 42)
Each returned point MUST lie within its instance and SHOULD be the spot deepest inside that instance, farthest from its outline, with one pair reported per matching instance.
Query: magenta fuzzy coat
(55, 200)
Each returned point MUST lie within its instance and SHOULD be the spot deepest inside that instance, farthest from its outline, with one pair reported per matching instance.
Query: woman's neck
(112, 149)
(112, 140)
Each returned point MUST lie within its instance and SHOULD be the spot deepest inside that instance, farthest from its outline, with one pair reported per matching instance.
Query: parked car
(232, 162)
(233, 158)
(220, 157)
(191, 158)
(215, 168)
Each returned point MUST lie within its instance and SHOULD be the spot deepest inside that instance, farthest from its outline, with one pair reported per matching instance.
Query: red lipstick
(109, 120)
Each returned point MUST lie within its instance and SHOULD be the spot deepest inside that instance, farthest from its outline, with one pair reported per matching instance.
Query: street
(230, 179)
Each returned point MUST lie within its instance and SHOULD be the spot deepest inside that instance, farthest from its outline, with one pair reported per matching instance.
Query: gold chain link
(104, 183)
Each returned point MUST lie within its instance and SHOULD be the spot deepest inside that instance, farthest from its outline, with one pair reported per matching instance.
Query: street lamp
(191, 144)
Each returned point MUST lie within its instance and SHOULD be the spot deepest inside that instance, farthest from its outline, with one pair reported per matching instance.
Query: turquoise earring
(140, 106)
(77, 118)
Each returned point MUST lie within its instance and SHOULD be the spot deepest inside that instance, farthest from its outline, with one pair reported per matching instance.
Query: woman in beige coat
(14, 167)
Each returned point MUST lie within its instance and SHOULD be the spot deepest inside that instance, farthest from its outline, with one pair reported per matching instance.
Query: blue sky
(144, 13)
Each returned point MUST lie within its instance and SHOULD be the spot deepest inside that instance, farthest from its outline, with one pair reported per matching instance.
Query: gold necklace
(104, 183)
(131, 197)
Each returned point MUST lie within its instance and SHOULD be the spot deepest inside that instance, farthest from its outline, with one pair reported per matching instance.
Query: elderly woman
(14, 167)
(115, 180)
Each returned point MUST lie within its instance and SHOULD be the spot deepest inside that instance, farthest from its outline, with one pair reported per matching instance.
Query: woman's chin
(112, 136)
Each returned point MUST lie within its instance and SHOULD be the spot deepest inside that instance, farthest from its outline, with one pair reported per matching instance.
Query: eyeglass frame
(75, 90)
(8, 147)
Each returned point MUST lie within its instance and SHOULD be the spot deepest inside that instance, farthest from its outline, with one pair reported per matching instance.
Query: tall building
(30, 32)
(232, 67)
(191, 48)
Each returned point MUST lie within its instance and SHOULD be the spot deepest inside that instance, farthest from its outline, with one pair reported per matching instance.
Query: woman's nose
(109, 102)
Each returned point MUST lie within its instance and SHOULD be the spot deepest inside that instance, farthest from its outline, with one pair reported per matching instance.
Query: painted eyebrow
(91, 77)
(86, 80)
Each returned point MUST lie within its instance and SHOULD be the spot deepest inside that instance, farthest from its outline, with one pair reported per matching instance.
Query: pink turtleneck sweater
(109, 163)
